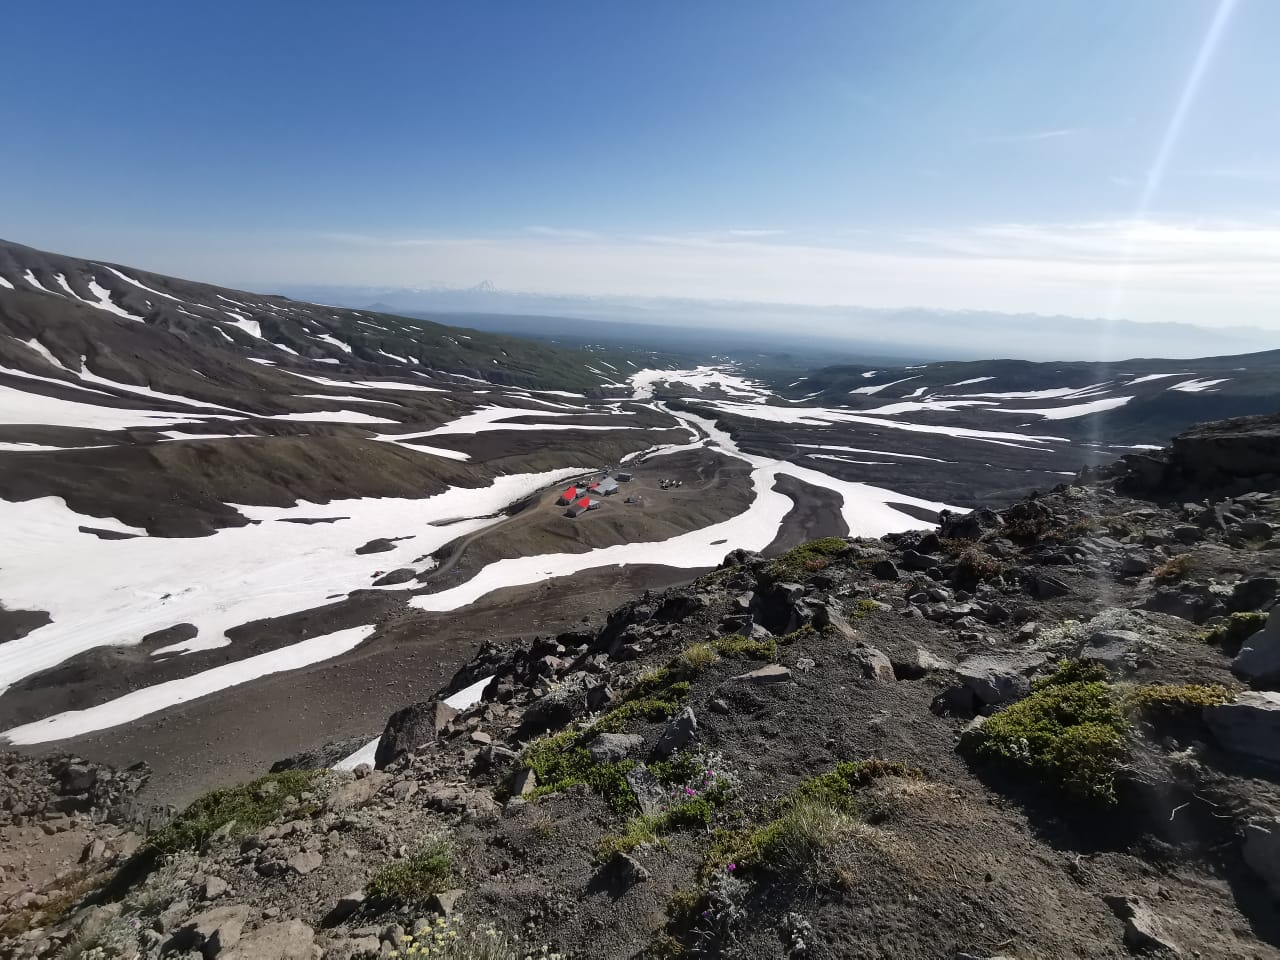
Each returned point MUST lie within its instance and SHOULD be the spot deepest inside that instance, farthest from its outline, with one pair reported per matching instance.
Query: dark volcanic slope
(37, 288)
(1163, 397)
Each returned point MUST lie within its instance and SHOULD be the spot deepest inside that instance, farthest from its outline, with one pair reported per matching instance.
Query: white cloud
(1030, 136)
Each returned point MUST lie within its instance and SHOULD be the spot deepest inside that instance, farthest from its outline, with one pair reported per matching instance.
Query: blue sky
(952, 154)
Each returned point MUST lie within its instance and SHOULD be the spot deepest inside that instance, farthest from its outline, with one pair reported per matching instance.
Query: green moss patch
(805, 559)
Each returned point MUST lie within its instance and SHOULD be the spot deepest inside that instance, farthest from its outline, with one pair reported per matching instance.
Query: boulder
(968, 526)
(611, 747)
(344, 908)
(1249, 726)
(380, 545)
(1261, 849)
(287, 940)
(885, 570)
(305, 862)
(400, 575)
(78, 778)
(1044, 587)
(523, 782)
(1258, 661)
(1143, 930)
(995, 680)
(649, 793)
(874, 664)
(415, 724)
(620, 873)
(678, 733)
(1114, 649)
(445, 902)
(213, 932)
(918, 562)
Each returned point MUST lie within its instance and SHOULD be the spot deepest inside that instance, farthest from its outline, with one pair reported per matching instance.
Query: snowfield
(126, 589)
(161, 696)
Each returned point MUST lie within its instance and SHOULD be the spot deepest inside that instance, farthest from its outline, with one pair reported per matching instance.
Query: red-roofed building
(568, 496)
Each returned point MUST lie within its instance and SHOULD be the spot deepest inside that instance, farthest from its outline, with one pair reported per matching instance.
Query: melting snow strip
(162, 696)
(138, 284)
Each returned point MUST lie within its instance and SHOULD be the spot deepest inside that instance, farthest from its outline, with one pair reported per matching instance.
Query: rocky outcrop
(410, 727)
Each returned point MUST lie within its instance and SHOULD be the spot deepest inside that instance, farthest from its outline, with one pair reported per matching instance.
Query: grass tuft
(428, 870)
(697, 657)
(746, 648)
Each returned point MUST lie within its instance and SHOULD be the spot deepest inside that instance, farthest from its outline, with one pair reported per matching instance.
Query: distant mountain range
(907, 332)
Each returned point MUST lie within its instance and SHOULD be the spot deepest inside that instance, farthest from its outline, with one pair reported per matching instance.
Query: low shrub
(1174, 569)
(1238, 628)
(560, 762)
(249, 807)
(428, 870)
(1172, 698)
(1069, 731)
(1074, 727)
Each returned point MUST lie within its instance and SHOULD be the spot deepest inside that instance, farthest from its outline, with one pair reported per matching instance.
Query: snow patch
(162, 696)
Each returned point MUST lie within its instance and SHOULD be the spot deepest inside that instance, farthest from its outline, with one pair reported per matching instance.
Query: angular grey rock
(305, 862)
(885, 570)
(622, 872)
(215, 931)
(789, 592)
(995, 680)
(288, 940)
(344, 908)
(929, 663)
(649, 793)
(1044, 587)
(410, 726)
(874, 664)
(1112, 648)
(1143, 930)
(523, 782)
(610, 747)
(773, 673)
(78, 778)
(917, 562)
(1134, 563)
(679, 731)
(1250, 725)
(444, 902)
(1258, 661)
(1261, 849)
(213, 888)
